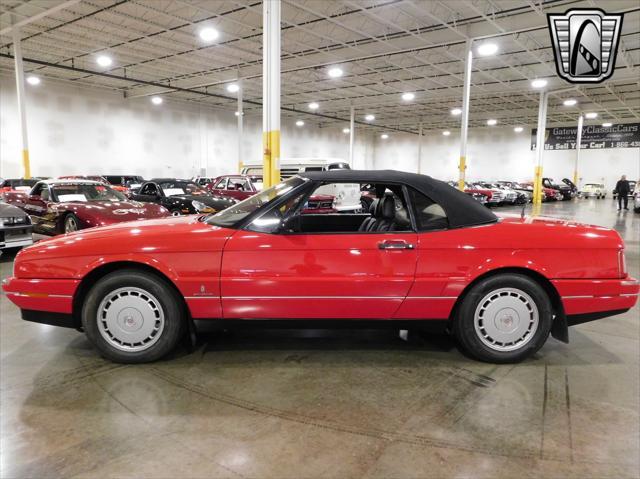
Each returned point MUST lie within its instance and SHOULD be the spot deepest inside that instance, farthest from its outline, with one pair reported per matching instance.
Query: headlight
(198, 206)
(15, 220)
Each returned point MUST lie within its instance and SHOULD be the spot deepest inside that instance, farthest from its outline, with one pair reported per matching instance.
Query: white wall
(500, 153)
(79, 130)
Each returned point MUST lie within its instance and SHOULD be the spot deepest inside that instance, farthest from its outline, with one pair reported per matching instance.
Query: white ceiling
(385, 47)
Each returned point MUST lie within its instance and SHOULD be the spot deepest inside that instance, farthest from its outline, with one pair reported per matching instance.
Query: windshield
(173, 188)
(80, 192)
(239, 211)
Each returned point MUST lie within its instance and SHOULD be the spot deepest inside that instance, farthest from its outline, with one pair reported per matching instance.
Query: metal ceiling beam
(38, 16)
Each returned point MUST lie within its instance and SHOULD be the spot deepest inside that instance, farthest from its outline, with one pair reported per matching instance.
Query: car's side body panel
(321, 276)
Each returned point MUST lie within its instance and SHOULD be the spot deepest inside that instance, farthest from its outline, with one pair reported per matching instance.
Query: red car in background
(63, 206)
(242, 187)
(17, 184)
(427, 255)
(550, 194)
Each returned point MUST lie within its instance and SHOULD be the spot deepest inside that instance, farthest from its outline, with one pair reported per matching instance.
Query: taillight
(622, 264)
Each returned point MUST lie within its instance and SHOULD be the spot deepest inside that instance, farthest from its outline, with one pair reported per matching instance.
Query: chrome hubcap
(506, 319)
(176, 213)
(130, 319)
(70, 224)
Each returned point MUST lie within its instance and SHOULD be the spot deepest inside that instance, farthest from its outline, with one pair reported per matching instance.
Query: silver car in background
(15, 227)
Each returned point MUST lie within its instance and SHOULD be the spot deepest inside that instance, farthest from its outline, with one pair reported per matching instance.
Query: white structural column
(540, 138)
(419, 169)
(578, 145)
(22, 111)
(352, 133)
(271, 92)
(240, 114)
(466, 92)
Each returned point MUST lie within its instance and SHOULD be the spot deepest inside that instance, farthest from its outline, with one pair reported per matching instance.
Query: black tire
(469, 338)
(68, 222)
(168, 302)
(176, 212)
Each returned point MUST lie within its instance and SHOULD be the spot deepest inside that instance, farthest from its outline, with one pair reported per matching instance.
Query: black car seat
(370, 222)
(386, 214)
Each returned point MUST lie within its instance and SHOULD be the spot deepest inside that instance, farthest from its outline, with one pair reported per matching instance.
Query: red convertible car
(64, 206)
(426, 254)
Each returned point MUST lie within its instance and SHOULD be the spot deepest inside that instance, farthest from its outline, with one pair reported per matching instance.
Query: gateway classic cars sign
(624, 135)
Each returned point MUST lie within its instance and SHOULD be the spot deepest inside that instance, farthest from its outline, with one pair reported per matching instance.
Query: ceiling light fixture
(591, 115)
(209, 34)
(370, 117)
(492, 122)
(518, 129)
(335, 72)
(313, 106)
(156, 100)
(104, 61)
(346, 130)
(299, 123)
(446, 132)
(539, 83)
(570, 102)
(33, 80)
(456, 111)
(233, 88)
(384, 136)
(487, 49)
(607, 124)
(408, 96)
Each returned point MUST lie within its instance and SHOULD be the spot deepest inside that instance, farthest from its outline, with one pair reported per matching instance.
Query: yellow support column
(462, 167)
(537, 186)
(26, 166)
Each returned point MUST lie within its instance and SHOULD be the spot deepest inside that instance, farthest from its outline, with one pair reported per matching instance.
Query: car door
(149, 192)
(338, 275)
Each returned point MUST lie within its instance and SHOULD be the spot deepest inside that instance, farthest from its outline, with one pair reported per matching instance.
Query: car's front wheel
(133, 317)
(504, 319)
(71, 223)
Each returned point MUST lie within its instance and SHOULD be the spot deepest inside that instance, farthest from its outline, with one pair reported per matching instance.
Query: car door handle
(395, 244)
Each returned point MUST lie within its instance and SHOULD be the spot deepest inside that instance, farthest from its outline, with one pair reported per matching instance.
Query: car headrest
(387, 208)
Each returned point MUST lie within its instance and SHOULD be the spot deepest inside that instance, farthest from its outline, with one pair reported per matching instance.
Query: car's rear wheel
(71, 223)
(133, 317)
(176, 212)
(504, 319)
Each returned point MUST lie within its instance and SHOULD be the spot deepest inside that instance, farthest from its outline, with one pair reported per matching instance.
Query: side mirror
(292, 224)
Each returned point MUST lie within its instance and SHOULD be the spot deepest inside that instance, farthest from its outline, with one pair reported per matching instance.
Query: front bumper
(16, 236)
(586, 300)
(50, 295)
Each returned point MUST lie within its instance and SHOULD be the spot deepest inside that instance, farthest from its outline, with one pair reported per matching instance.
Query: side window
(271, 221)
(149, 189)
(45, 194)
(221, 184)
(37, 190)
(429, 214)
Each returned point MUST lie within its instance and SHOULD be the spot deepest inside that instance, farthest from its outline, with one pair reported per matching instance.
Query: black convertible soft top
(461, 209)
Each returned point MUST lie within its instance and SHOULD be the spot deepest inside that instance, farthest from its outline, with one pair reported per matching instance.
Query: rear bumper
(50, 295)
(588, 300)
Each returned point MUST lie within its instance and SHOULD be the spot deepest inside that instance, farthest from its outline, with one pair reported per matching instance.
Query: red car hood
(99, 213)
(149, 238)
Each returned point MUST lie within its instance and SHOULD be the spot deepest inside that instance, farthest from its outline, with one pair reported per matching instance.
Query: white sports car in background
(593, 190)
